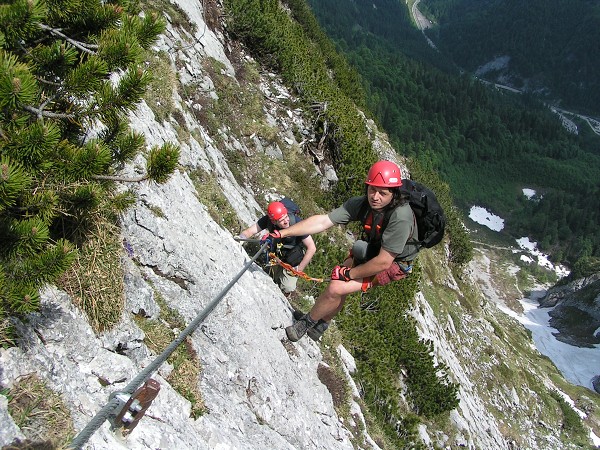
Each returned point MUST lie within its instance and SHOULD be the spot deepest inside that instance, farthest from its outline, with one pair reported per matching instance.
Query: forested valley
(552, 44)
(487, 144)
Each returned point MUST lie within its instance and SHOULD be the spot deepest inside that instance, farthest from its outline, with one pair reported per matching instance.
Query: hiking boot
(296, 331)
(317, 331)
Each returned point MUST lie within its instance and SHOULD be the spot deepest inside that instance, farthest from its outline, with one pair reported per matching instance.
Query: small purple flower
(128, 248)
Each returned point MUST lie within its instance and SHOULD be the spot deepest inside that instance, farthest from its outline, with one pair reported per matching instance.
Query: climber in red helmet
(383, 254)
(294, 250)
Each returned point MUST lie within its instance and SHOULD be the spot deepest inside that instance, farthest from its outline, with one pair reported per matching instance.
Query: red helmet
(385, 174)
(276, 210)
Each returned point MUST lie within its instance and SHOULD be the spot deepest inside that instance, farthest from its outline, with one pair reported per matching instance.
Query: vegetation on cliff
(69, 73)
(385, 344)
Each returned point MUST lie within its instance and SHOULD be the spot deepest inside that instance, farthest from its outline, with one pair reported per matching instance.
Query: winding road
(424, 23)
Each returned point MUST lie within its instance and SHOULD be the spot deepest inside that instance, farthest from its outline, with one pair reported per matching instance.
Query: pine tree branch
(41, 113)
(51, 83)
(80, 45)
(48, 100)
(124, 179)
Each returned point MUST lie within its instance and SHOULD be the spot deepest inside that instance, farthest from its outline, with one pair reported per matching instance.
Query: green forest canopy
(552, 44)
(487, 144)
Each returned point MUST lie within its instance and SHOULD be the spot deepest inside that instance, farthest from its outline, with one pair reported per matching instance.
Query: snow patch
(526, 259)
(529, 193)
(541, 258)
(483, 217)
(577, 364)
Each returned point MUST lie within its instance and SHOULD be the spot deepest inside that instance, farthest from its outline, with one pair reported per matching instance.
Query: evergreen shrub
(70, 71)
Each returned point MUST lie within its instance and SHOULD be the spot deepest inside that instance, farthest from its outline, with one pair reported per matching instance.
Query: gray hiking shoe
(296, 331)
(297, 314)
(317, 331)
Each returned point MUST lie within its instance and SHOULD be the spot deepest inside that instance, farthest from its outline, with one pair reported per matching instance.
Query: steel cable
(109, 408)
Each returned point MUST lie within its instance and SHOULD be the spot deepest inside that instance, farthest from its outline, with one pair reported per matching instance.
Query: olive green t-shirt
(399, 233)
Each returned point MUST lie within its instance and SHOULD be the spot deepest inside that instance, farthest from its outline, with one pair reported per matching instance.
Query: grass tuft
(7, 337)
(186, 367)
(95, 280)
(40, 414)
(159, 95)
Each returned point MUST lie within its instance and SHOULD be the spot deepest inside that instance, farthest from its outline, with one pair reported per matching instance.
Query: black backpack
(429, 215)
(292, 208)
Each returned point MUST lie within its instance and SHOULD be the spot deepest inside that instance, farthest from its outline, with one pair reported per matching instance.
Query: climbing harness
(272, 260)
(127, 407)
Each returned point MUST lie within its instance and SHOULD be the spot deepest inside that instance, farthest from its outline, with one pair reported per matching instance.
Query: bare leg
(332, 299)
(330, 302)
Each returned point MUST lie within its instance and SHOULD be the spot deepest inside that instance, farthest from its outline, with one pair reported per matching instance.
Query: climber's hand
(341, 273)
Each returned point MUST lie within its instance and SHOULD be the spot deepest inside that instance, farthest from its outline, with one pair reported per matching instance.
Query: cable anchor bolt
(132, 408)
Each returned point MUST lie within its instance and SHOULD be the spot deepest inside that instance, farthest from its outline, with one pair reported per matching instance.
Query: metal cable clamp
(132, 408)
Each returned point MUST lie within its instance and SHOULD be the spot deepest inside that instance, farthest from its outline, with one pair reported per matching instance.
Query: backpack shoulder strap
(366, 218)
(412, 241)
(364, 210)
(270, 226)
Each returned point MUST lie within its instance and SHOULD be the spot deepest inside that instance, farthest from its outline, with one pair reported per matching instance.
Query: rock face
(260, 391)
(596, 383)
(558, 293)
(576, 311)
